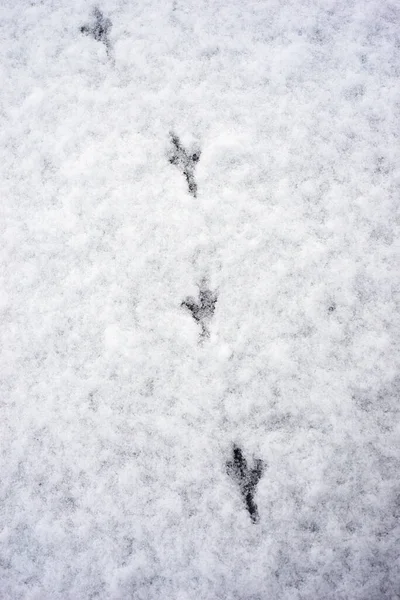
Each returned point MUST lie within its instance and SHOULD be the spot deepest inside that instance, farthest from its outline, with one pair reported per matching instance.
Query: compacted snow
(199, 300)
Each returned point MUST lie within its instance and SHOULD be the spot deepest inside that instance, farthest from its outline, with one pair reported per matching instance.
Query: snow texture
(117, 421)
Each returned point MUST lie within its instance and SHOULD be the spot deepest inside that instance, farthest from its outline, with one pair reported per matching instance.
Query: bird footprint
(186, 162)
(203, 310)
(246, 478)
(99, 30)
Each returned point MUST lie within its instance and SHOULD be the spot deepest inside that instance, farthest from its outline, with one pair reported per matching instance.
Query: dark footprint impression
(186, 162)
(99, 29)
(203, 310)
(246, 478)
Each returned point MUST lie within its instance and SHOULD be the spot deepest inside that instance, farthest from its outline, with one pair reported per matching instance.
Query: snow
(118, 418)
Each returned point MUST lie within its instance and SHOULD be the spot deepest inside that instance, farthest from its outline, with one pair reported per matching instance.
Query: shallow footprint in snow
(99, 29)
(185, 161)
(246, 478)
(203, 310)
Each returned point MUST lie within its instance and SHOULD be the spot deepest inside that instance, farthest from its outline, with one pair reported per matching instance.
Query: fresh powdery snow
(199, 295)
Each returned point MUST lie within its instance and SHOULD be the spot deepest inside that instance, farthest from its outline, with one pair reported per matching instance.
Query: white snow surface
(116, 419)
